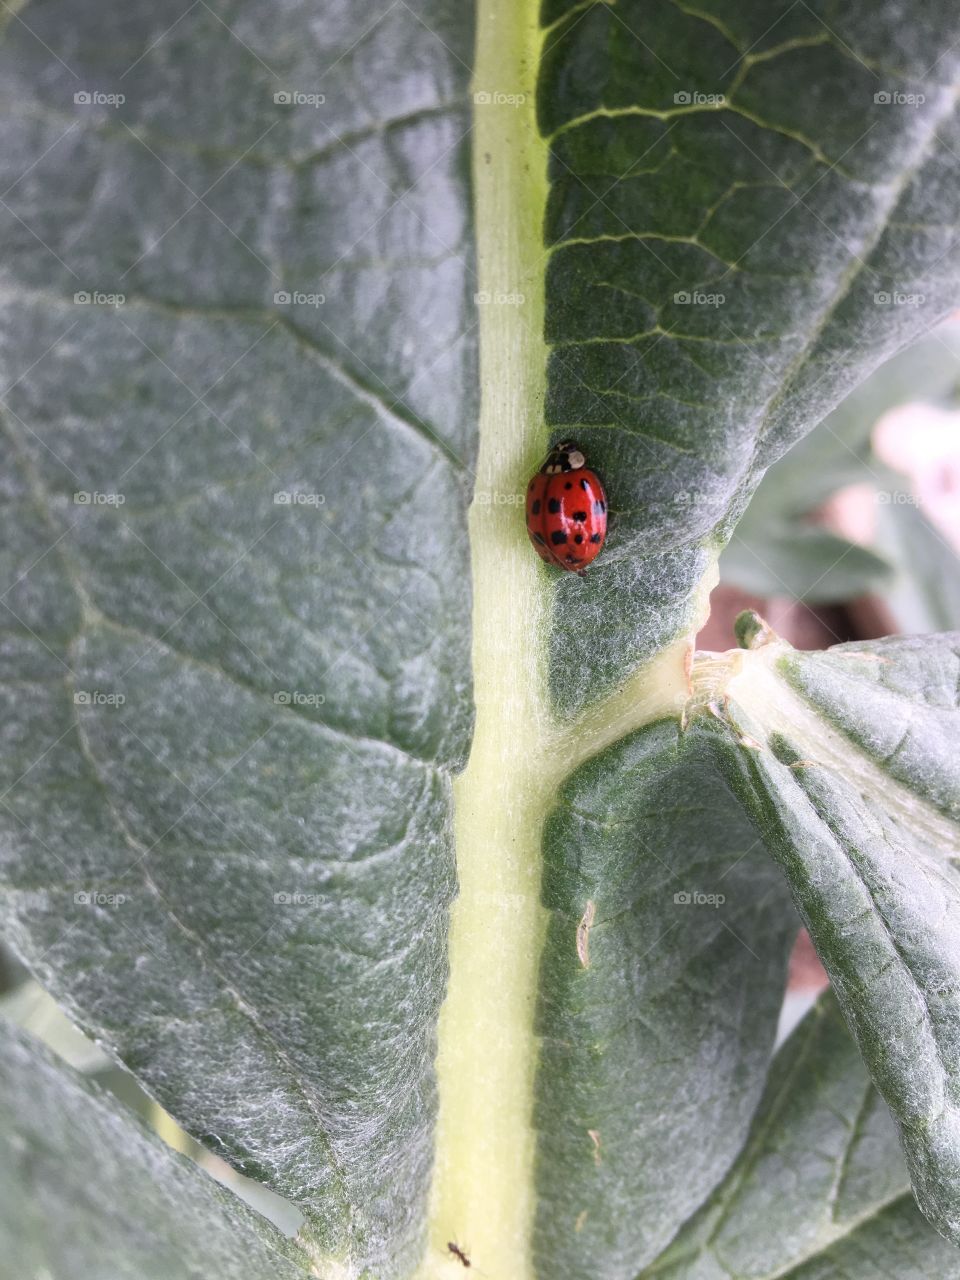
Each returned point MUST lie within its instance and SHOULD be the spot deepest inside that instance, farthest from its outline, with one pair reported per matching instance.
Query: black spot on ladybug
(596, 538)
(578, 539)
(568, 485)
(599, 506)
(558, 538)
(553, 506)
(538, 537)
(579, 516)
(535, 507)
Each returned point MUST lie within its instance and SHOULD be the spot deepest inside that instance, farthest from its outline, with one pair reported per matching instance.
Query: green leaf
(229, 720)
(85, 1190)
(661, 981)
(231, 857)
(819, 1191)
(848, 765)
(788, 207)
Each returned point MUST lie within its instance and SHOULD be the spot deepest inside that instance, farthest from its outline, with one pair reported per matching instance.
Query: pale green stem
(483, 1190)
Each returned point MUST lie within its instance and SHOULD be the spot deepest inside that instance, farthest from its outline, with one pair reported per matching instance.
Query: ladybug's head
(566, 456)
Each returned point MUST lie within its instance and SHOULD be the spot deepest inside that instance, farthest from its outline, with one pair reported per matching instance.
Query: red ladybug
(567, 509)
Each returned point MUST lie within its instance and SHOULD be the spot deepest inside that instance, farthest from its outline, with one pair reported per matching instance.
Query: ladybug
(567, 509)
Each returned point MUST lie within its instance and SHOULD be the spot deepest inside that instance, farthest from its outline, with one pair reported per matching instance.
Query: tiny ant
(458, 1253)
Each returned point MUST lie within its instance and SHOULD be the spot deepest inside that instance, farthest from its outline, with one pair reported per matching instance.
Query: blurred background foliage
(859, 522)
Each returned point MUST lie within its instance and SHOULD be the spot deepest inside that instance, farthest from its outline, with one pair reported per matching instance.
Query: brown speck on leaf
(688, 668)
(581, 1220)
(583, 934)
(458, 1253)
(595, 1139)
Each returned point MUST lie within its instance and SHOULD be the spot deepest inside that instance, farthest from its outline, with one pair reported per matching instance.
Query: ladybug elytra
(567, 509)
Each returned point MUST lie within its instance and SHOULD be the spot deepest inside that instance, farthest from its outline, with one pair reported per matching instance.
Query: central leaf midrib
(482, 1189)
(483, 1197)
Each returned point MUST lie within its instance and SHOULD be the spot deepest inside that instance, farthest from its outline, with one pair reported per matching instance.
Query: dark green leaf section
(233, 647)
(741, 225)
(872, 862)
(819, 1191)
(661, 982)
(86, 1191)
